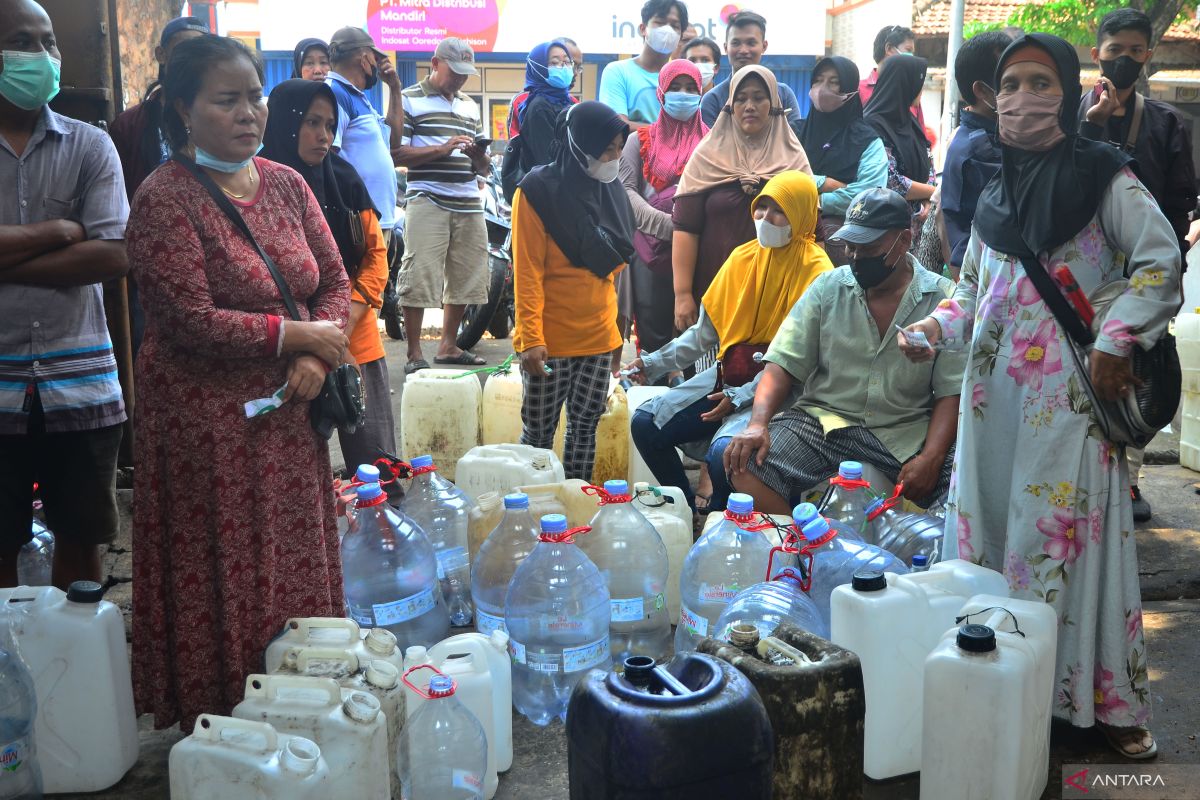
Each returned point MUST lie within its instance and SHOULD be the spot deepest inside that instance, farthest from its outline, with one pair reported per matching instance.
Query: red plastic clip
(891, 502)
(790, 546)
(746, 521)
(567, 536)
(849, 483)
(423, 692)
(400, 470)
(604, 497)
(806, 556)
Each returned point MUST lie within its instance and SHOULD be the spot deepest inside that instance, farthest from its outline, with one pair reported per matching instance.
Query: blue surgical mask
(29, 80)
(560, 77)
(206, 159)
(681, 105)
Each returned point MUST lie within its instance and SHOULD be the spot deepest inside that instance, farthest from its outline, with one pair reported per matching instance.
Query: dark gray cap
(873, 213)
(347, 40)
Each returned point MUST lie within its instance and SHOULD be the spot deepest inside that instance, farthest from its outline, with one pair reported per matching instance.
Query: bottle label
(631, 610)
(561, 624)
(549, 663)
(13, 756)
(485, 623)
(586, 656)
(517, 651)
(695, 623)
(470, 781)
(450, 560)
(406, 609)
(718, 592)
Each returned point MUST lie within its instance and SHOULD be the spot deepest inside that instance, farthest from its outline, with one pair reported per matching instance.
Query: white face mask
(770, 235)
(662, 39)
(706, 73)
(603, 171)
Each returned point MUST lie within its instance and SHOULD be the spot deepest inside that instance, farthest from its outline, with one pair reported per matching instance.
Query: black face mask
(1122, 71)
(372, 79)
(870, 271)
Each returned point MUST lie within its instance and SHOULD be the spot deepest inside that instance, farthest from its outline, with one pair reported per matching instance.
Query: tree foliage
(1077, 20)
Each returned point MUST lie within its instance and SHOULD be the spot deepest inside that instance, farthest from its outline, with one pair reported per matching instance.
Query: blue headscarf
(537, 73)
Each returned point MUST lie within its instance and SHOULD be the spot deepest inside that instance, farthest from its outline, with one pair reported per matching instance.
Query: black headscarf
(591, 222)
(302, 49)
(835, 141)
(336, 184)
(900, 80)
(1039, 201)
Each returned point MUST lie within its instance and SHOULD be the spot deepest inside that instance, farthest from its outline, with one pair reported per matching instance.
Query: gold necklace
(250, 175)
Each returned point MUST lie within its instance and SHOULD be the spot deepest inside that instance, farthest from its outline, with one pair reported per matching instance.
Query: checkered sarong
(582, 383)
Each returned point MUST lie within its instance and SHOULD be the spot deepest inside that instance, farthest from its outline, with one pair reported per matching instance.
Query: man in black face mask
(1152, 132)
(862, 400)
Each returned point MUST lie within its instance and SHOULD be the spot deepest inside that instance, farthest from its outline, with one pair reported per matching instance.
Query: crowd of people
(761, 258)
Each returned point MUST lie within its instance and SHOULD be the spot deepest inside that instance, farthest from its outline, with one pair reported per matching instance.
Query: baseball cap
(349, 39)
(179, 25)
(458, 54)
(873, 213)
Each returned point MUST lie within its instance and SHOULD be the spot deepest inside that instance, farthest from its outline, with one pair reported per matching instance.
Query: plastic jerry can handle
(306, 655)
(303, 627)
(765, 645)
(268, 686)
(210, 727)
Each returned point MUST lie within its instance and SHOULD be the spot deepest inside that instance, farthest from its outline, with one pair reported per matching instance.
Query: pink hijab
(667, 145)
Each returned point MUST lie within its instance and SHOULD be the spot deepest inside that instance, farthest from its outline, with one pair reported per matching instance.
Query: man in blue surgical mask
(62, 224)
(630, 87)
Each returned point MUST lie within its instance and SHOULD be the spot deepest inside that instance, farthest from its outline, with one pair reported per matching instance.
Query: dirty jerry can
(695, 730)
(817, 708)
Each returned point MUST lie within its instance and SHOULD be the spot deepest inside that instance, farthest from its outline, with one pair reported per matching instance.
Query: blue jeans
(657, 447)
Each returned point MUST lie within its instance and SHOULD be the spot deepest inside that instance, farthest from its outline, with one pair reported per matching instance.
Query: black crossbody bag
(340, 403)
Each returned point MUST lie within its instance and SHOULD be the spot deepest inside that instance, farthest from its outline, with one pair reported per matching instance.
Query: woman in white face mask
(572, 232)
(739, 315)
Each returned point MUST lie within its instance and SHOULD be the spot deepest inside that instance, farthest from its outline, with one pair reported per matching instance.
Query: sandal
(464, 359)
(702, 508)
(1122, 739)
(415, 365)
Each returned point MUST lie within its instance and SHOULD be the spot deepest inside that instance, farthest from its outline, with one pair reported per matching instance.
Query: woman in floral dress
(1038, 493)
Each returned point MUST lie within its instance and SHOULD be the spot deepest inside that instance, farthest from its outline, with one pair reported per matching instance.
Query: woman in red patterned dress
(233, 518)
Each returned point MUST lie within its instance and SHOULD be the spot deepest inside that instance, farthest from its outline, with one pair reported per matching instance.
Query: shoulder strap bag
(340, 403)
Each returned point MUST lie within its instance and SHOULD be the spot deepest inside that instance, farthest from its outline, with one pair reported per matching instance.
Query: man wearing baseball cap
(861, 400)
(445, 236)
(363, 137)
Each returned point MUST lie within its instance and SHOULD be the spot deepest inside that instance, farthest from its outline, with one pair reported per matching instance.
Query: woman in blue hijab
(548, 75)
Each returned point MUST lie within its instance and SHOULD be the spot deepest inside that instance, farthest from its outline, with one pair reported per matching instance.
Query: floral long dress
(1037, 492)
(233, 518)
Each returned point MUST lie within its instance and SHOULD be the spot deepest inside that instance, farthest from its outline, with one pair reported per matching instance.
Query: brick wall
(139, 23)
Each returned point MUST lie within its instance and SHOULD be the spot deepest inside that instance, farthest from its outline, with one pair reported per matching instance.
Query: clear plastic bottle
(443, 747)
(832, 561)
(765, 605)
(631, 556)
(920, 563)
(848, 497)
(35, 560)
(502, 552)
(20, 775)
(557, 613)
(726, 560)
(904, 534)
(443, 511)
(389, 572)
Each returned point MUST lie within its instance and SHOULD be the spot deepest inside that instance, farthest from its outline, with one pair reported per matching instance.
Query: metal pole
(950, 96)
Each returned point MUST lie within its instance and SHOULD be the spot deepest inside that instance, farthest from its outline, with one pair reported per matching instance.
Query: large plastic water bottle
(502, 552)
(442, 510)
(35, 560)
(848, 497)
(389, 572)
(20, 775)
(810, 511)
(443, 749)
(726, 560)
(557, 614)
(765, 605)
(831, 561)
(632, 557)
(904, 534)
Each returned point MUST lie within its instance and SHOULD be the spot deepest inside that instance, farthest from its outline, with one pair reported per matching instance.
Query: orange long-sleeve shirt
(565, 308)
(366, 345)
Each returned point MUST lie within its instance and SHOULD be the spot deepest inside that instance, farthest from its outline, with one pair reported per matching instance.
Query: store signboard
(795, 27)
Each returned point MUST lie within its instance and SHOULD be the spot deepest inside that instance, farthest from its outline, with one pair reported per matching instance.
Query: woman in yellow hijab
(745, 304)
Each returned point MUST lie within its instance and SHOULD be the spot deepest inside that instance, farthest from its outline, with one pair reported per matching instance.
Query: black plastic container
(699, 732)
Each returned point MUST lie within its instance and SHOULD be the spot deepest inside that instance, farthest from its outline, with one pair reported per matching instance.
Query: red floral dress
(233, 518)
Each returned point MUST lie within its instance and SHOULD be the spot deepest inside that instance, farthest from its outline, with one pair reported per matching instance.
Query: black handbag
(340, 403)
(1137, 417)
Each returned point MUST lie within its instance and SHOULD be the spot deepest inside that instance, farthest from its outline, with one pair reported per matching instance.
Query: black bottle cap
(85, 592)
(977, 638)
(868, 580)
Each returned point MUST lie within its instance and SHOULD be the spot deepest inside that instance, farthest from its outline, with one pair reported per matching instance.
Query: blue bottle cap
(441, 686)
(367, 473)
(816, 529)
(516, 500)
(422, 461)
(554, 523)
(616, 487)
(369, 491)
(874, 505)
(920, 560)
(740, 503)
(804, 514)
(851, 470)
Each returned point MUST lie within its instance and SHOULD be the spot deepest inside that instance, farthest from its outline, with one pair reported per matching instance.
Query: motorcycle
(498, 314)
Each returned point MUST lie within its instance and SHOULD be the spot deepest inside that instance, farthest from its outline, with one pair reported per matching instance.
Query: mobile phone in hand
(483, 142)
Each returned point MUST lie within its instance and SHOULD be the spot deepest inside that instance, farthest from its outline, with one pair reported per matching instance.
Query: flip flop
(1117, 741)
(413, 366)
(705, 507)
(464, 359)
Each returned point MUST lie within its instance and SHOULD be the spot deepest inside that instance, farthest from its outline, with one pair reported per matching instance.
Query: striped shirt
(55, 339)
(430, 120)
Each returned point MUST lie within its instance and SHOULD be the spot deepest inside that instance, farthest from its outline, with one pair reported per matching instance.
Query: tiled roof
(932, 18)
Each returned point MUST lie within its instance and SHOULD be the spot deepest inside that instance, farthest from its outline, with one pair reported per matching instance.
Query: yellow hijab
(757, 286)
